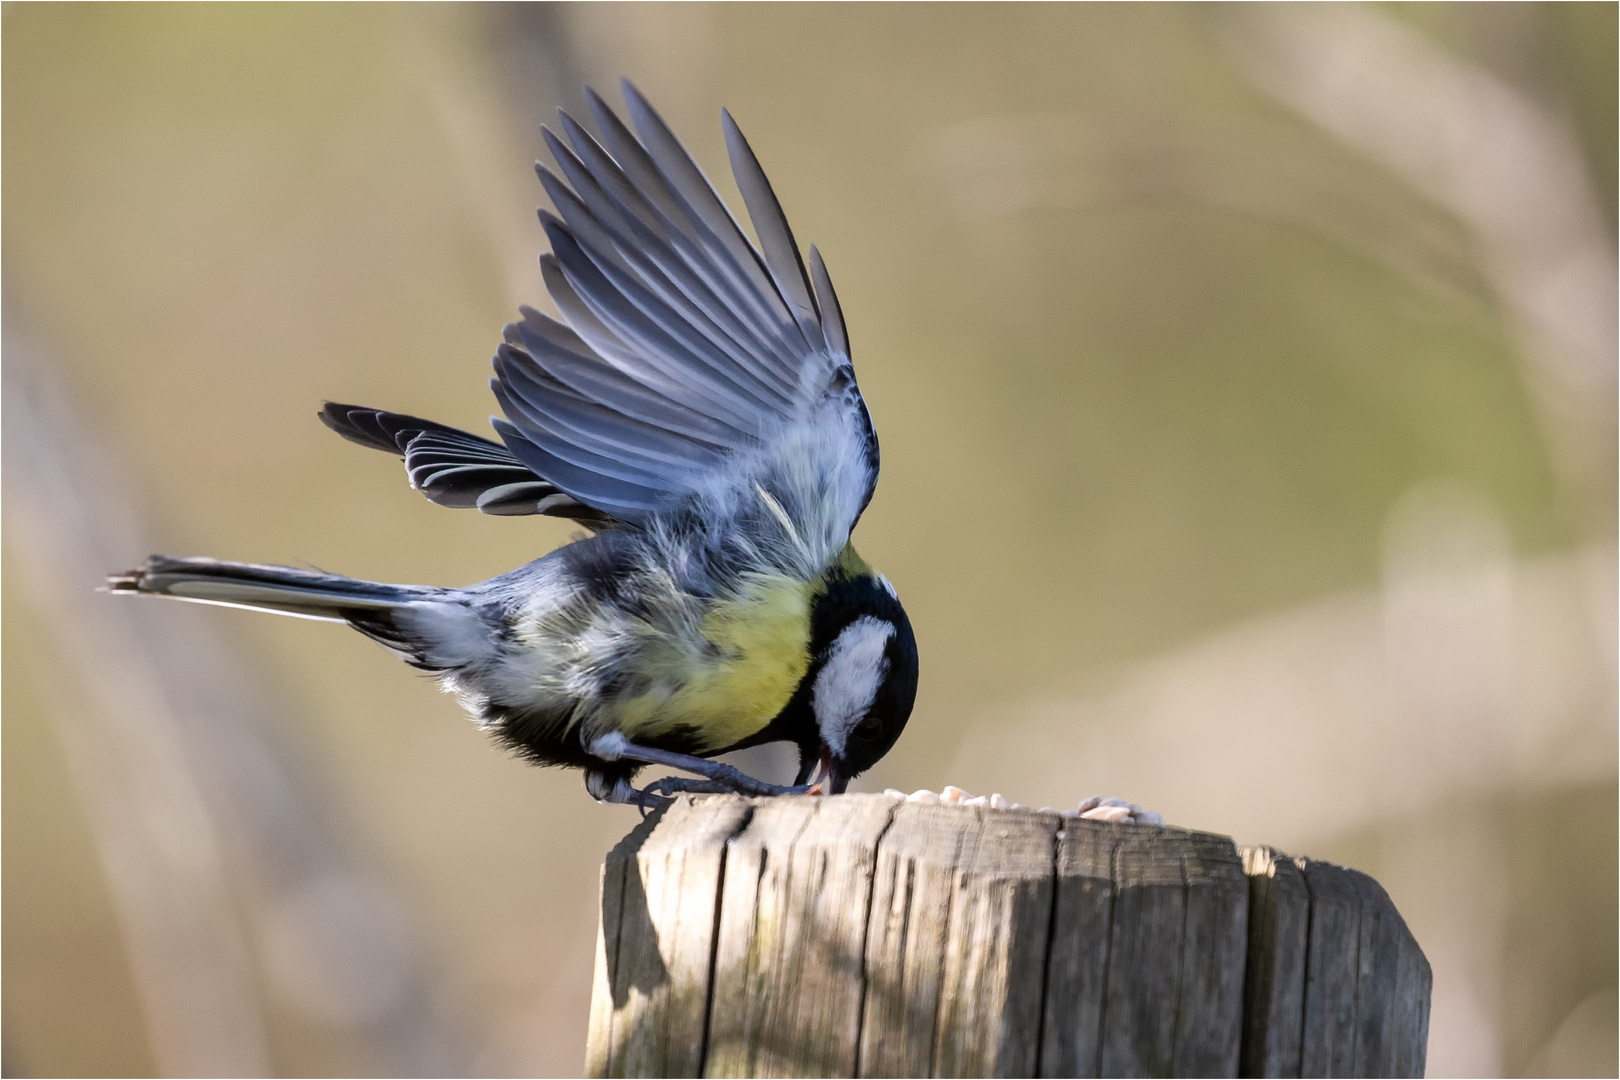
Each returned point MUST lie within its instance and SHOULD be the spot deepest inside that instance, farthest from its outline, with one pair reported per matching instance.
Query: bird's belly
(754, 652)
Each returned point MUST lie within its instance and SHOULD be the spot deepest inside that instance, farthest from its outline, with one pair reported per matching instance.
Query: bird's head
(863, 676)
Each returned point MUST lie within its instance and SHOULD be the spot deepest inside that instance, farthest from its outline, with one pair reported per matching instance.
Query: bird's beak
(828, 780)
(833, 781)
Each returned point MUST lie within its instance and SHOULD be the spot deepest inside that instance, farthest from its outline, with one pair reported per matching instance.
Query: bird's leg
(614, 746)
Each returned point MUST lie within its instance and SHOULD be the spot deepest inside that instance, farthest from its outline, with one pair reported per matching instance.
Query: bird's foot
(718, 777)
(729, 778)
(679, 785)
(741, 784)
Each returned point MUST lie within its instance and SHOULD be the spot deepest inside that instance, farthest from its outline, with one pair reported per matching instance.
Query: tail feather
(429, 628)
(285, 590)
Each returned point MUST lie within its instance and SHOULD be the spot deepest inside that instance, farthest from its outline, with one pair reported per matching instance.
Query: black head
(863, 675)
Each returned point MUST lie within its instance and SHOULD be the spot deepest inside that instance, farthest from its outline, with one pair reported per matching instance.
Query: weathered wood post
(864, 936)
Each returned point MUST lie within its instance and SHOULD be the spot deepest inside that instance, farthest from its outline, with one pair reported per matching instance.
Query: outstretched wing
(684, 347)
(454, 468)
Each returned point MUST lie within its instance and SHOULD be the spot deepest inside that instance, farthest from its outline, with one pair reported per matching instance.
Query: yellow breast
(756, 651)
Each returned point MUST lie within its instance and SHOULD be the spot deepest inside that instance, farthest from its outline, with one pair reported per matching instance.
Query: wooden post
(864, 936)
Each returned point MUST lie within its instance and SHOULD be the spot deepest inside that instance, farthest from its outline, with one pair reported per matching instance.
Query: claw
(646, 800)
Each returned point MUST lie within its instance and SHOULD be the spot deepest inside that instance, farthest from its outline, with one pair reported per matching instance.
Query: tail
(404, 618)
(308, 594)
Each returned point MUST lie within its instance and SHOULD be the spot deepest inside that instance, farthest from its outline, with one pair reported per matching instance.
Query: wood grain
(1173, 995)
(909, 925)
(864, 936)
(1077, 963)
(1336, 984)
(788, 972)
(659, 890)
(995, 946)
(1274, 988)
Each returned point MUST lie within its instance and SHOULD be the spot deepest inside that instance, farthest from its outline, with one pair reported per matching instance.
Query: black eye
(869, 729)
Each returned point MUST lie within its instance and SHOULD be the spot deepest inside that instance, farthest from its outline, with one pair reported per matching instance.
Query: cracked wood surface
(861, 935)
(1337, 985)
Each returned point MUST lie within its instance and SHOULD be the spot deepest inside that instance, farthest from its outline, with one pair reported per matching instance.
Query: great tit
(696, 408)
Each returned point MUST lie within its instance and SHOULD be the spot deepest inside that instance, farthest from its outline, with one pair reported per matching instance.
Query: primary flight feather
(697, 407)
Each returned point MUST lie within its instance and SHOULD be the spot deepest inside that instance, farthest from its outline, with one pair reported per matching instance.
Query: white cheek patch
(849, 680)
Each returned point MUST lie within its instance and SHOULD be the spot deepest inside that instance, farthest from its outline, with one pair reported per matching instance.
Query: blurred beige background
(1246, 385)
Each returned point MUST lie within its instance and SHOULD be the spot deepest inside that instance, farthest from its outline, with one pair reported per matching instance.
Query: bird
(695, 408)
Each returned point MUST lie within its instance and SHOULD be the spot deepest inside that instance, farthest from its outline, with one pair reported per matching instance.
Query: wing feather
(537, 337)
(775, 238)
(702, 208)
(456, 468)
(571, 287)
(679, 370)
(619, 498)
(539, 432)
(648, 255)
(516, 500)
(703, 256)
(684, 353)
(832, 316)
(598, 428)
(685, 339)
